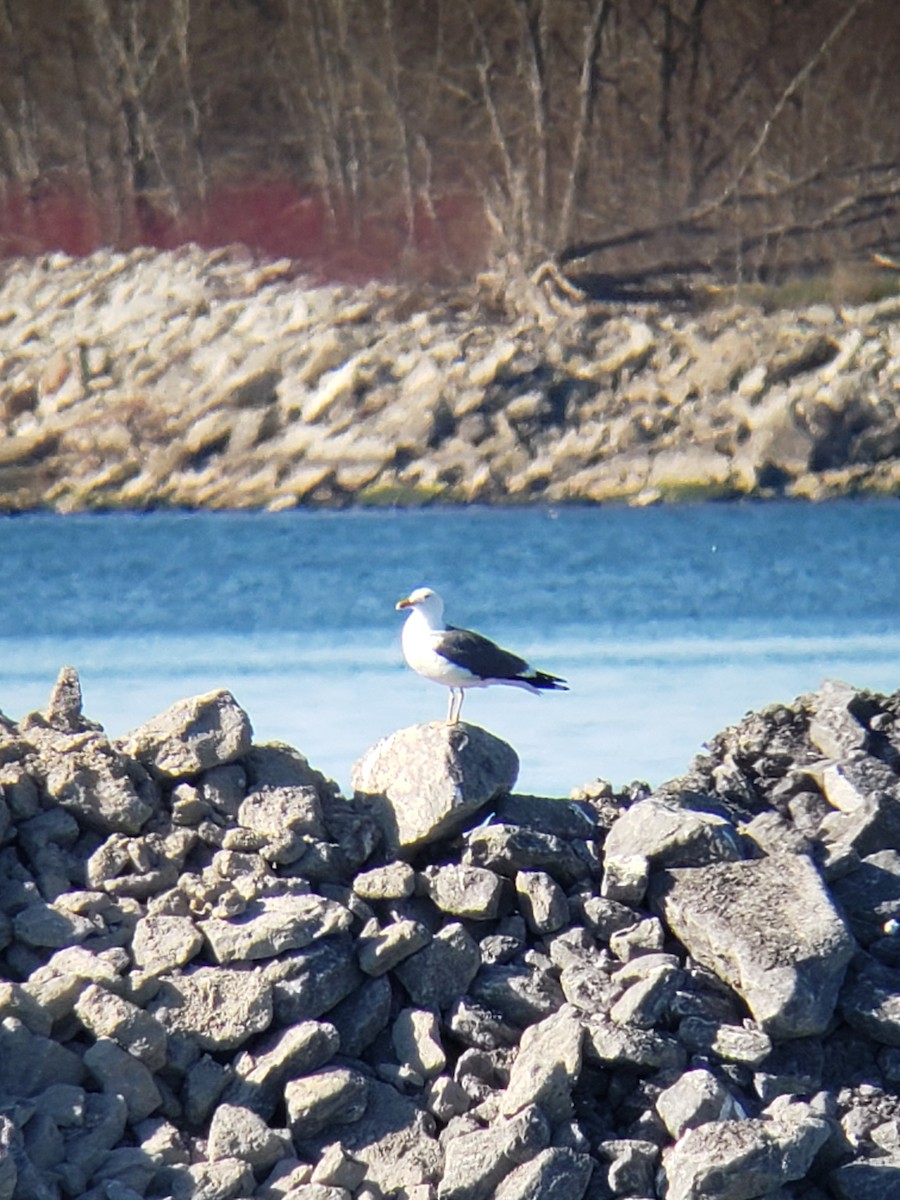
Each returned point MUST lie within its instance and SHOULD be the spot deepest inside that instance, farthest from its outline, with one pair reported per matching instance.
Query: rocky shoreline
(225, 979)
(196, 379)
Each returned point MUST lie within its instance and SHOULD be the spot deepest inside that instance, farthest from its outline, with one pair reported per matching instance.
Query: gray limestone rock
(553, 1174)
(542, 901)
(416, 1039)
(192, 736)
(834, 728)
(272, 924)
(309, 982)
(161, 943)
(614, 1045)
(873, 1180)
(519, 992)
(440, 973)
(394, 881)
(869, 896)
(671, 835)
(730, 1043)
(220, 1008)
(508, 849)
(632, 1165)
(95, 784)
(546, 1068)
(88, 1143)
(393, 1139)
(32, 1062)
(259, 1075)
(238, 1132)
(43, 926)
(471, 892)
(870, 1001)
(476, 1162)
(8, 1172)
(325, 1098)
(739, 1160)
(361, 1016)
(224, 1179)
(694, 1099)
(285, 818)
(106, 1015)
(120, 1074)
(647, 1001)
(380, 950)
(425, 782)
(788, 972)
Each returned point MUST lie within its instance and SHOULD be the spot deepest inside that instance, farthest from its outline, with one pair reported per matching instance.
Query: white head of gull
(460, 658)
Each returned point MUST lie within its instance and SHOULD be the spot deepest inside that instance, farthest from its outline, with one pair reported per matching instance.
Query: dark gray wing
(478, 654)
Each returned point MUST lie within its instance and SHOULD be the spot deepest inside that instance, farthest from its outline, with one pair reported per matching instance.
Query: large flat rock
(789, 969)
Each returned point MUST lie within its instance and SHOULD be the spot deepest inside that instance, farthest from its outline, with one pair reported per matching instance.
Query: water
(669, 623)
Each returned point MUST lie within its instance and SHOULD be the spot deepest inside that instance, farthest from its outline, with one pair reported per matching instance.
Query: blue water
(669, 623)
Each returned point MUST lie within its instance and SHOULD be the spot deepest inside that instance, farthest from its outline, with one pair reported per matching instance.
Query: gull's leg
(450, 706)
(462, 696)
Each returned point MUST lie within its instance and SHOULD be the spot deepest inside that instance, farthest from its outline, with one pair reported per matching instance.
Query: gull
(459, 658)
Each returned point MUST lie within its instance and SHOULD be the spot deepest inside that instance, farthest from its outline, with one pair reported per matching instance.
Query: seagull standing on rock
(459, 658)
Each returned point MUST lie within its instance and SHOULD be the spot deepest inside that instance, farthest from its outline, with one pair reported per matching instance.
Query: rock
(285, 817)
(878, 1180)
(237, 1132)
(695, 1099)
(322, 1099)
(394, 881)
(834, 727)
(542, 901)
(106, 1015)
(417, 1042)
(442, 971)
(89, 780)
(32, 1063)
(520, 993)
(671, 835)
(425, 782)
(546, 1068)
(556, 1172)
(461, 891)
(743, 1159)
(8, 1172)
(362, 1015)
(220, 1008)
(615, 1045)
(380, 950)
(161, 943)
(393, 1139)
(258, 1076)
(192, 736)
(647, 1001)
(476, 1162)
(632, 1165)
(730, 1043)
(789, 973)
(272, 924)
(309, 982)
(508, 849)
(870, 1001)
(120, 1074)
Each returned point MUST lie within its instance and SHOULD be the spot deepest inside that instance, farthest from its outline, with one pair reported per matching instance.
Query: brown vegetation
(616, 137)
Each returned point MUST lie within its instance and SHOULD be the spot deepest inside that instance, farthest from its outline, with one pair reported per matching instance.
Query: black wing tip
(550, 683)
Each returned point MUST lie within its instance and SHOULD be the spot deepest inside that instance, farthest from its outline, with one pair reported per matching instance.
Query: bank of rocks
(201, 379)
(225, 979)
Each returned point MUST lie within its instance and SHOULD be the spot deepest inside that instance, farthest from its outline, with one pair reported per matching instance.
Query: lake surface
(669, 623)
